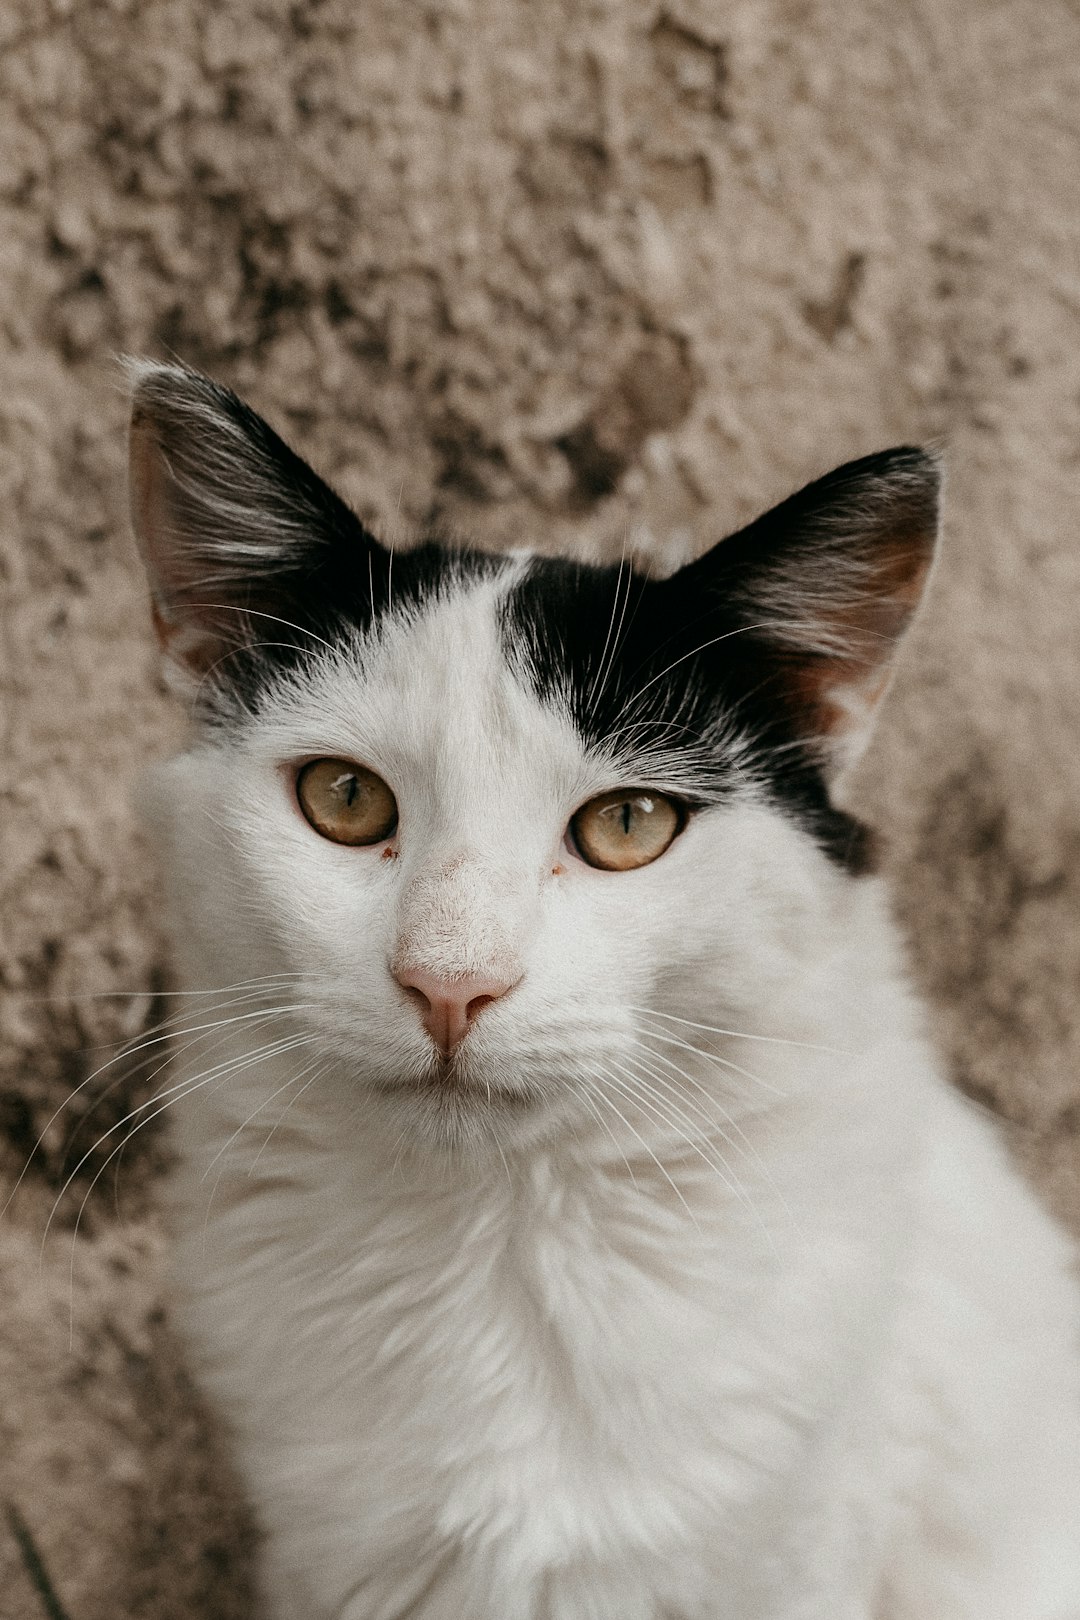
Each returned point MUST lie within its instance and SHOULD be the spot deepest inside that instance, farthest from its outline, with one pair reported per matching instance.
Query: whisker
(198, 1033)
(586, 1098)
(684, 1074)
(291, 1081)
(748, 1150)
(670, 1114)
(171, 1057)
(744, 1035)
(604, 1098)
(744, 1148)
(740, 630)
(183, 1091)
(182, 1086)
(129, 1051)
(715, 1057)
(611, 641)
(502, 1156)
(300, 1040)
(152, 992)
(254, 613)
(725, 1173)
(319, 1074)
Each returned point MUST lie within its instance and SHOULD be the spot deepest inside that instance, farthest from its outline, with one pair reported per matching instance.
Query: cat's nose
(450, 1005)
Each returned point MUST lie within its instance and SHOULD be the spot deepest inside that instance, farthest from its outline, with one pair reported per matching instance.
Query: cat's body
(659, 1275)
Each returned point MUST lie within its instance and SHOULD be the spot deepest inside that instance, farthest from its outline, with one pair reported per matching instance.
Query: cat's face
(520, 835)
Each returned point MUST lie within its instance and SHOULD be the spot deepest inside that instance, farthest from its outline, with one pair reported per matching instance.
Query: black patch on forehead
(256, 564)
(643, 667)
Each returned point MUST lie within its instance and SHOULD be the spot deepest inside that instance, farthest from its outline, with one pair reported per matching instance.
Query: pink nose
(450, 1005)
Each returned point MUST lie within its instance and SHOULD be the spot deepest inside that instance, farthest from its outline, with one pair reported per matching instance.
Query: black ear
(228, 519)
(823, 587)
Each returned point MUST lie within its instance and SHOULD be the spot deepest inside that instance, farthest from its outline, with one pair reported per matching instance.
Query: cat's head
(525, 835)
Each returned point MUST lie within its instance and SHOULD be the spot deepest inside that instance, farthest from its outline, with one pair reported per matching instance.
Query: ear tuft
(223, 512)
(826, 584)
(210, 477)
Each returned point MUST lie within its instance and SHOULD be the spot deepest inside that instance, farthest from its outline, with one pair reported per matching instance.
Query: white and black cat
(573, 1221)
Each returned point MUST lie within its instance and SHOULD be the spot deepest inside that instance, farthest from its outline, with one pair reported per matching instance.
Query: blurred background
(584, 274)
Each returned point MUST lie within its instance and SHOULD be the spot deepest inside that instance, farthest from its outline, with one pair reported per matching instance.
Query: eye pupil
(627, 815)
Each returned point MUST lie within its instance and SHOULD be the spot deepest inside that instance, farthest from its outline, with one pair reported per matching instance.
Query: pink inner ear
(152, 520)
(147, 475)
(188, 635)
(839, 693)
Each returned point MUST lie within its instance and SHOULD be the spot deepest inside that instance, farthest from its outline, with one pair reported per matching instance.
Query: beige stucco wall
(587, 272)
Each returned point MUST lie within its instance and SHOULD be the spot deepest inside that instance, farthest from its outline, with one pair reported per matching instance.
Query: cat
(573, 1222)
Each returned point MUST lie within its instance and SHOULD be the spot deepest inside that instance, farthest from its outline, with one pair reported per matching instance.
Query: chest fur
(537, 1372)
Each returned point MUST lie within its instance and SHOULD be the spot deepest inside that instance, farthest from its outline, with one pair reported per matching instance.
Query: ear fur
(223, 513)
(826, 584)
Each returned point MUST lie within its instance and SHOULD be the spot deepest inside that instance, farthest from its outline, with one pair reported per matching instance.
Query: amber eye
(345, 802)
(627, 828)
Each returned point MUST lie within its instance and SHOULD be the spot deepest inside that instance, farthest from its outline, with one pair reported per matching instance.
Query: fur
(690, 1290)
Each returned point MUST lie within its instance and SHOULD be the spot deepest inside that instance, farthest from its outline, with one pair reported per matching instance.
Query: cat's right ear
(227, 518)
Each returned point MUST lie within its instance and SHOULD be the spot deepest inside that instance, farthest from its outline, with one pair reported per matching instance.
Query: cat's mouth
(451, 1081)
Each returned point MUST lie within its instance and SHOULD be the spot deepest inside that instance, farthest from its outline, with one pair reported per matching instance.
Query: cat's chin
(453, 1102)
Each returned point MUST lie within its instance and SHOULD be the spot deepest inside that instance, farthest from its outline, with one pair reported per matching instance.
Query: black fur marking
(705, 678)
(681, 679)
(326, 597)
(687, 665)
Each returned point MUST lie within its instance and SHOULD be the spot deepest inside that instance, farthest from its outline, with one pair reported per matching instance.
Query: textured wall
(601, 274)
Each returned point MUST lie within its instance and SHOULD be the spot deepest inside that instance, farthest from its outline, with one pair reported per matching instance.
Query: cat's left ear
(824, 587)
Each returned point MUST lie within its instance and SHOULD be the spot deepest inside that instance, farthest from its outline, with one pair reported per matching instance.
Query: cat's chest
(524, 1378)
(522, 1353)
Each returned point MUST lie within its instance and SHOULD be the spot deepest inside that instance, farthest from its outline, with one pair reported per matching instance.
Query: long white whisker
(666, 1112)
(183, 1092)
(155, 994)
(587, 1099)
(603, 1097)
(744, 1147)
(129, 1051)
(747, 1150)
(253, 613)
(291, 1081)
(320, 1070)
(199, 1034)
(744, 1035)
(182, 1095)
(169, 1060)
(723, 1171)
(611, 640)
(714, 1057)
(182, 1086)
(300, 1040)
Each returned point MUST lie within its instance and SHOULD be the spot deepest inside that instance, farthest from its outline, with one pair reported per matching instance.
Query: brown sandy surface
(592, 273)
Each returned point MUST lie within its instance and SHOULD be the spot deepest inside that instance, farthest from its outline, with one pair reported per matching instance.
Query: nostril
(420, 1000)
(477, 1005)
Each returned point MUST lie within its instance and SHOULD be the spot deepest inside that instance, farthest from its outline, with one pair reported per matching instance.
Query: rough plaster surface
(603, 274)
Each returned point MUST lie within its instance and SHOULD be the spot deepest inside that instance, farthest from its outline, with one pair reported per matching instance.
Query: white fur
(710, 1327)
